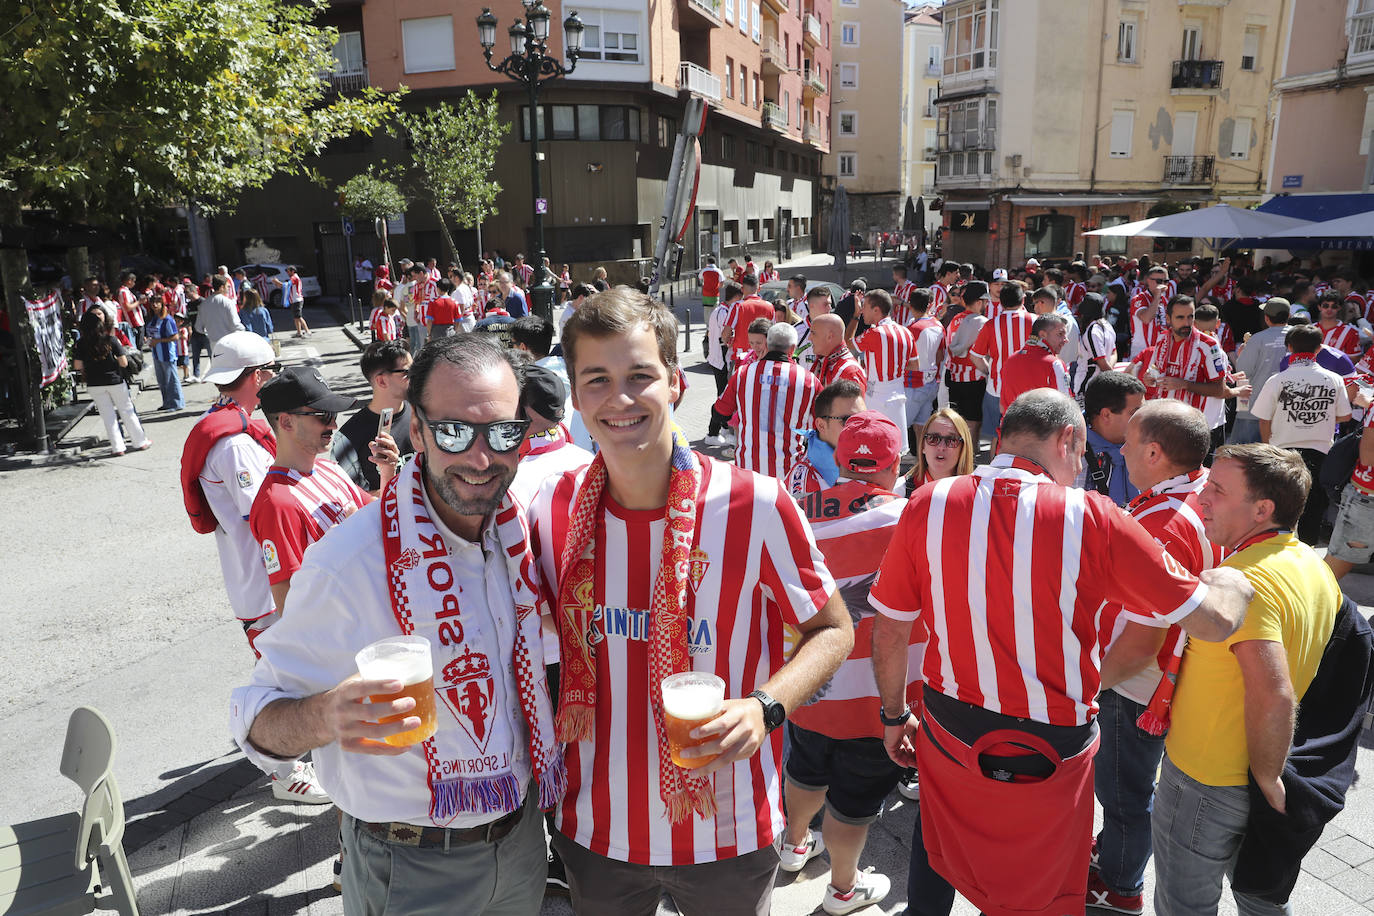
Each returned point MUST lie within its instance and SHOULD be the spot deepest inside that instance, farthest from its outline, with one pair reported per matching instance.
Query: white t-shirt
(362, 271)
(462, 294)
(715, 326)
(1301, 404)
(235, 468)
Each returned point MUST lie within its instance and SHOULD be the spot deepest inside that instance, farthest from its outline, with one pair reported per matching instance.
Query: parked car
(271, 292)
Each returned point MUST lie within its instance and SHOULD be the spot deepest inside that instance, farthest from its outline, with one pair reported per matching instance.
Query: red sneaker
(1102, 897)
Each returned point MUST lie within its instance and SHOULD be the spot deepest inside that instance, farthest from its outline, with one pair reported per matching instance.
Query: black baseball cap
(302, 386)
(544, 392)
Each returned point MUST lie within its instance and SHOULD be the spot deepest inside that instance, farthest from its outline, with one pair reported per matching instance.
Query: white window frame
(1241, 138)
(1128, 40)
(756, 14)
(1191, 48)
(1112, 244)
(619, 22)
(730, 11)
(846, 27)
(853, 124)
(852, 159)
(1360, 28)
(427, 33)
(976, 57)
(1120, 117)
(729, 77)
(851, 68)
(1249, 49)
(349, 46)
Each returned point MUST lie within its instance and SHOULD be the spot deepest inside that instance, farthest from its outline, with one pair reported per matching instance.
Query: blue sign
(347, 226)
(1292, 181)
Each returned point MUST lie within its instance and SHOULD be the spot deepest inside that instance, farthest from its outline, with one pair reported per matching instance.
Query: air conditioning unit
(1013, 162)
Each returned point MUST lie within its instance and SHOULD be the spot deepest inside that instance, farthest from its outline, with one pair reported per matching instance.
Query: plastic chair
(72, 863)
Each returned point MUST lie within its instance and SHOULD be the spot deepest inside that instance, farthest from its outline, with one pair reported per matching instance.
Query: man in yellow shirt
(1234, 709)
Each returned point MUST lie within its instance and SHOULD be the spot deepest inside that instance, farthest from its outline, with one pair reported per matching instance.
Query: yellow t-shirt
(1295, 604)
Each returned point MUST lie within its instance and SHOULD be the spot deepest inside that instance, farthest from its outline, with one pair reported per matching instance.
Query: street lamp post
(530, 63)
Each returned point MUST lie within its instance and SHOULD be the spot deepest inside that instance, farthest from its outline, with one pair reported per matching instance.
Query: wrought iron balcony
(348, 81)
(1197, 74)
(1189, 169)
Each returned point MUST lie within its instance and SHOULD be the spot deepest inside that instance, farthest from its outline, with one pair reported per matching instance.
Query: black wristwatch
(899, 719)
(774, 714)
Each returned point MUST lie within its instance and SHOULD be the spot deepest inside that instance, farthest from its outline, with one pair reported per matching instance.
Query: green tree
(453, 153)
(108, 106)
(368, 196)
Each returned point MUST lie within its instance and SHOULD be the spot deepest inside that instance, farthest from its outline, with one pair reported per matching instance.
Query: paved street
(112, 601)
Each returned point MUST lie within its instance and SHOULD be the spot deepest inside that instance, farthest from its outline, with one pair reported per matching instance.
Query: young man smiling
(657, 560)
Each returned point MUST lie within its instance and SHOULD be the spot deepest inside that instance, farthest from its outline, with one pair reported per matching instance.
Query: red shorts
(1012, 841)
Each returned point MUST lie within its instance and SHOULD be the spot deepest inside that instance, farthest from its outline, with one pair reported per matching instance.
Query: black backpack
(1340, 463)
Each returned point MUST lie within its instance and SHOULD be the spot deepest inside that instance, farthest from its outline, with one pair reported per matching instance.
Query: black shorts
(967, 398)
(856, 773)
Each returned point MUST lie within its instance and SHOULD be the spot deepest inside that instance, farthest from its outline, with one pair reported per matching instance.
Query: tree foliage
(368, 196)
(119, 102)
(453, 151)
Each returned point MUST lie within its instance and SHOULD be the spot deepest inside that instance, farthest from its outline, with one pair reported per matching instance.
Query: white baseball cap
(999, 274)
(1032, 262)
(235, 352)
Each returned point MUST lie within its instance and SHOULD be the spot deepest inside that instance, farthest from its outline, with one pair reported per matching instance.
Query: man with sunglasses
(657, 560)
(453, 825)
(386, 366)
(305, 494)
(1336, 332)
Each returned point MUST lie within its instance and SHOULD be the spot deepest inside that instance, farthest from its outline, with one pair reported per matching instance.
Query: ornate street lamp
(531, 64)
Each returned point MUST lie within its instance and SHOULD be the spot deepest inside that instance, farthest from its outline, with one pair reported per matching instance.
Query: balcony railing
(929, 153)
(708, 9)
(1189, 169)
(776, 6)
(774, 54)
(698, 81)
(348, 81)
(812, 79)
(1196, 74)
(775, 116)
(928, 111)
(813, 28)
(811, 133)
(934, 70)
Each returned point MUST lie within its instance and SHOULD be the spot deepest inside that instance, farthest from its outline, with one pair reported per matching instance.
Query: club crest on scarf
(468, 689)
(682, 791)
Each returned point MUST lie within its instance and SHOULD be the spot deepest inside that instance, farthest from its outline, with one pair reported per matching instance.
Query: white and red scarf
(425, 600)
(682, 791)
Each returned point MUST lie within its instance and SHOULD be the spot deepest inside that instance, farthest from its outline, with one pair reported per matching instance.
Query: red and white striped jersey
(129, 308)
(1196, 358)
(1343, 337)
(742, 313)
(754, 575)
(293, 510)
(773, 398)
(386, 327)
(1147, 333)
(853, 522)
(522, 274)
(1073, 295)
(1225, 289)
(939, 300)
(1008, 573)
(960, 368)
(837, 365)
(930, 352)
(999, 339)
(805, 478)
(901, 310)
(1361, 301)
(885, 348)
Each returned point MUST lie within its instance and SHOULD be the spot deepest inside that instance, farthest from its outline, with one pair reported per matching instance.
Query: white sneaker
(301, 786)
(910, 785)
(730, 436)
(794, 858)
(714, 441)
(869, 888)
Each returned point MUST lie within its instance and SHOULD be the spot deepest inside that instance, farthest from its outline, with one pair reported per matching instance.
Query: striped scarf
(682, 792)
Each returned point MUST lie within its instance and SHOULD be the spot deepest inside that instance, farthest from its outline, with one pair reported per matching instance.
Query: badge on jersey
(245, 479)
(699, 563)
(269, 556)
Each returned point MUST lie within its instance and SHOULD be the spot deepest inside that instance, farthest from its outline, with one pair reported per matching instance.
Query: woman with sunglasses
(99, 358)
(946, 450)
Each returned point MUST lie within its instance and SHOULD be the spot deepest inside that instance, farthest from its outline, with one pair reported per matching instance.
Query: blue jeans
(992, 414)
(1197, 834)
(1124, 778)
(169, 384)
(1244, 431)
(920, 403)
(416, 333)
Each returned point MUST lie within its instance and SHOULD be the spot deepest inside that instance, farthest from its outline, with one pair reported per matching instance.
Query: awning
(1082, 200)
(1318, 208)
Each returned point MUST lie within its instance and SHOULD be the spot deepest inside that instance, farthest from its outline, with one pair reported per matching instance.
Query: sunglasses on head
(457, 436)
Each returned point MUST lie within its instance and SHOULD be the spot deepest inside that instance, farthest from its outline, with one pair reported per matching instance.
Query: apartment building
(1323, 161)
(1056, 118)
(922, 53)
(866, 111)
(606, 131)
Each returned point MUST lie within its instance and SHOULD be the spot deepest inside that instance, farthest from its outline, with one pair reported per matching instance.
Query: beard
(444, 485)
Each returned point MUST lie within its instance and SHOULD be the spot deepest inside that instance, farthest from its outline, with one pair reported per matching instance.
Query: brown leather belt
(428, 837)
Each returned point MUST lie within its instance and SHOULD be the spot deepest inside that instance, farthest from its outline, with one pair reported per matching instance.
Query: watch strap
(899, 719)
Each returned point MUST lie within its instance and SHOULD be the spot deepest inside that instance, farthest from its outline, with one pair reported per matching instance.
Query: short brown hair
(880, 298)
(1180, 431)
(1276, 474)
(616, 312)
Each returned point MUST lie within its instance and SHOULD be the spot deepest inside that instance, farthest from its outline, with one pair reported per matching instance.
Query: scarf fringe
(458, 796)
(682, 804)
(574, 723)
(553, 782)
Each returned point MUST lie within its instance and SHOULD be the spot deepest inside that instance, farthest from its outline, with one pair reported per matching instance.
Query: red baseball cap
(869, 442)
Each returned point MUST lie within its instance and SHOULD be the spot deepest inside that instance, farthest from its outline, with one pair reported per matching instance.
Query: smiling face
(625, 393)
(468, 485)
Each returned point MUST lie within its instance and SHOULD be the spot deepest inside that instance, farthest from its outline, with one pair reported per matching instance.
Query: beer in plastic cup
(406, 659)
(690, 699)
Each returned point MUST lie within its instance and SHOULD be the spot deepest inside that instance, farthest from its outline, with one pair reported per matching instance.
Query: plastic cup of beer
(690, 699)
(406, 659)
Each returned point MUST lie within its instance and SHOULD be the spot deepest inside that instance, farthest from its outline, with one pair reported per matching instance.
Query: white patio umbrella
(1356, 225)
(1218, 226)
